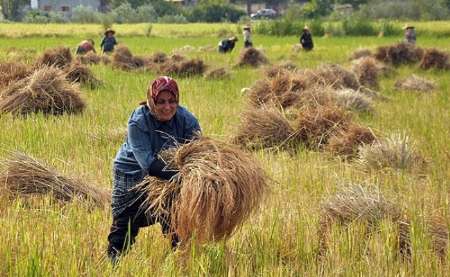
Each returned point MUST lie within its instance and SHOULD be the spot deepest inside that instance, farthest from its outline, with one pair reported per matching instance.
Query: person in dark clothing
(109, 41)
(157, 124)
(306, 39)
(227, 44)
(85, 46)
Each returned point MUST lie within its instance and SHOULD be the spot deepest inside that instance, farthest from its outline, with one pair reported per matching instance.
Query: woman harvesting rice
(157, 124)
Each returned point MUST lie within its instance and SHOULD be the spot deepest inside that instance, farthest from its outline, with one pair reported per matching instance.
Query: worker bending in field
(306, 39)
(85, 46)
(227, 45)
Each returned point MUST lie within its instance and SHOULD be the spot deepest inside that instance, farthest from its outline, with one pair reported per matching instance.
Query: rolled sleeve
(192, 128)
(140, 145)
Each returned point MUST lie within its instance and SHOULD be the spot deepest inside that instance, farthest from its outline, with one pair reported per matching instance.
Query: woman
(109, 41)
(306, 39)
(410, 34)
(157, 124)
(247, 37)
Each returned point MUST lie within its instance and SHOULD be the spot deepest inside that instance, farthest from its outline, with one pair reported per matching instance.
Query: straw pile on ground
(350, 99)
(365, 205)
(11, 72)
(346, 142)
(217, 73)
(105, 59)
(360, 53)
(159, 57)
(333, 75)
(220, 187)
(265, 127)
(396, 151)
(401, 53)
(438, 229)
(22, 175)
(252, 57)
(60, 57)
(46, 91)
(415, 83)
(182, 67)
(89, 58)
(367, 72)
(78, 73)
(434, 58)
(122, 58)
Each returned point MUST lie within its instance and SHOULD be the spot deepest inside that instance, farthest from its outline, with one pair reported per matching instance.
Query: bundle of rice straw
(415, 83)
(396, 151)
(217, 73)
(350, 99)
(439, 231)
(252, 57)
(288, 65)
(79, 73)
(265, 127)
(11, 72)
(89, 58)
(275, 71)
(360, 53)
(367, 71)
(401, 53)
(60, 57)
(434, 58)
(178, 58)
(46, 91)
(105, 59)
(332, 75)
(315, 125)
(220, 187)
(366, 205)
(22, 175)
(182, 67)
(122, 58)
(347, 141)
(159, 57)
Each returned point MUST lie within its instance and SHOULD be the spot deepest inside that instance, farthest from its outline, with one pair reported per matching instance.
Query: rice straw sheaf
(366, 205)
(439, 231)
(401, 53)
(220, 187)
(350, 99)
(217, 73)
(288, 65)
(105, 59)
(360, 53)
(332, 75)
(347, 141)
(11, 72)
(415, 83)
(396, 151)
(367, 72)
(159, 57)
(183, 68)
(79, 73)
(265, 127)
(22, 175)
(434, 58)
(46, 91)
(89, 58)
(122, 58)
(315, 125)
(252, 57)
(60, 57)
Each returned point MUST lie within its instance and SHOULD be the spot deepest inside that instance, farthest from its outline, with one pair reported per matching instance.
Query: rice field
(41, 237)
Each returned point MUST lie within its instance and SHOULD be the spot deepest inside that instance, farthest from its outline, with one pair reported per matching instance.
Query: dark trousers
(248, 44)
(126, 225)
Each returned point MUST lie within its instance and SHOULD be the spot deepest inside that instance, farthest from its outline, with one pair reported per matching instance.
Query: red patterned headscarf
(163, 83)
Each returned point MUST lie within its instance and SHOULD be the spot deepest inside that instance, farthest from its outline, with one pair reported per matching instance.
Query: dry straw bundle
(122, 58)
(360, 53)
(346, 142)
(11, 72)
(334, 76)
(265, 127)
(78, 73)
(22, 175)
(60, 57)
(415, 83)
(366, 205)
(217, 73)
(46, 91)
(367, 71)
(252, 57)
(182, 67)
(434, 58)
(350, 99)
(396, 151)
(220, 187)
(89, 58)
(401, 53)
(439, 231)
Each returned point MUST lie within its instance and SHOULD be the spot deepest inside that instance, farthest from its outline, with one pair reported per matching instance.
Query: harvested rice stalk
(415, 83)
(401, 53)
(434, 58)
(220, 187)
(367, 72)
(46, 91)
(122, 58)
(60, 57)
(252, 57)
(11, 72)
(347, 141)
(334, 76)
(22, 175)
(217, 73)
(89, 58)
(263, 128)
(352, 100)
(366, 205)
(360, 53)
(438, 229)
(79, 73)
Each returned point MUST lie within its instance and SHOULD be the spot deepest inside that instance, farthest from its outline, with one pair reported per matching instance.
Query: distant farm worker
(410, 34)
(247, 37)
(157, 124)
(85, 46)
(227, 44)
(306, 39)
(109, 41)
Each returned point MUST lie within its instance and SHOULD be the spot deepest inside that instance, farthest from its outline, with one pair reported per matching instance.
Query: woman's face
(165, 106)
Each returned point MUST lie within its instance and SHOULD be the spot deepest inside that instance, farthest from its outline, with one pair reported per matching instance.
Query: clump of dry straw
(415, 83)
(434, 58)
(347, 141)
(367, 71)
(122, 58)
(79, 73)
(60, 57)
(22, 175)
(401, 53)
(46, 91)
(252, 57)
(366, 205)
(360, 53)
(439, 231)
(217, 73)
(11, 72)
(89, 58)
(220, 187)
(333, 75)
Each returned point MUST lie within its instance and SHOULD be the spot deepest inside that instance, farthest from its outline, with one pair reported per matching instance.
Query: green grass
(42, 238)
